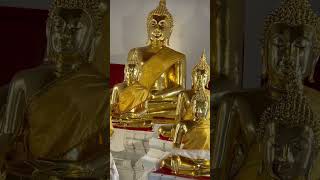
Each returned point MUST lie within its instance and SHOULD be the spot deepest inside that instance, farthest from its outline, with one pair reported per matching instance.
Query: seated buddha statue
(59, 110)
(289, 138)
(132, 74)
(192, 135)
(162, 70)
(290, 43)
(136, 117)
(200, 82)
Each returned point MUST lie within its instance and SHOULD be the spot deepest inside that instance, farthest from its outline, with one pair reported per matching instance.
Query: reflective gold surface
(64, 115)
(162, 76)
(185, 166)
(184, 112)
(192, 135)
(289, 47)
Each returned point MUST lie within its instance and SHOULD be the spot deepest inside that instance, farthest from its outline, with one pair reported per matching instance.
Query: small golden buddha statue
(132, 74)
(200, 82)
(291, 42)
(63, 117)
(136, 117)
(289, 138)
(192, 135)
(162, 70)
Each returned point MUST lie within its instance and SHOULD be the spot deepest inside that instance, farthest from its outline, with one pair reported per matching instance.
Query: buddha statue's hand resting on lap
(290, 41)
(162, 71)
(192, 135)
(132, 74)
(200, 82)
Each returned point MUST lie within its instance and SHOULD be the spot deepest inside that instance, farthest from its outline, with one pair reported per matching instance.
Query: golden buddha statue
(162, 70)
(192, 135)
(132, 74)
(289, 138)
(291, 42)
(200, 82)
(136, 117)
(59, 110)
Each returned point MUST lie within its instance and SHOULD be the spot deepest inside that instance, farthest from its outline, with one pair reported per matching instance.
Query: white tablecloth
(114, 175)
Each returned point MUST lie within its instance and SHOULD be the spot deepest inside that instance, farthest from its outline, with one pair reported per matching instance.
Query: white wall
(191, 33)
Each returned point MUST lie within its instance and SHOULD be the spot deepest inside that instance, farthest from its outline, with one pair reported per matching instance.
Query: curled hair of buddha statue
(95, 9)
(92, 7)
(292, 110)
(134, 58)
(202, 66)
(161, 10)
(293, 12)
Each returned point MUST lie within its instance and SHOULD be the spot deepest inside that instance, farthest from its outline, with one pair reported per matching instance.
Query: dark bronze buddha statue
(59, 110)
(290, 44)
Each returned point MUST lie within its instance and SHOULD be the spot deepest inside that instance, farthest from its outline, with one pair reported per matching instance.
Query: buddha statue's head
(132, 70)
(291, 38)
(200, 105)
(73, 28)
(291, 136)
(201, 73)
(159, 25)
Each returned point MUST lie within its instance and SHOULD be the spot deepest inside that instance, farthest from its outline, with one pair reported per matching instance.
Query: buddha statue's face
(289, 152)
(200, 109)
(200, 79)
(70, 31)
(159, 29)
(287, 46)
(132, 73)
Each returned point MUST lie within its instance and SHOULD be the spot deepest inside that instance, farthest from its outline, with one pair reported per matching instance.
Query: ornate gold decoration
(194, 135)
(92, 7)
(202, 65)
(161, 76)
(294, 12)
(133, 68)
(292, 110)
(200, 97)
(184, 111)
(134, 57)
(95, 10)
(161, 10)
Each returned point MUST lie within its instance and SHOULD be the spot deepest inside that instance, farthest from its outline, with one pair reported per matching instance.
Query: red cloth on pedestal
(116, 74)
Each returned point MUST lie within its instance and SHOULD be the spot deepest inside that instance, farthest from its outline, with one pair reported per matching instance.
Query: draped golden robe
(135, 95)
(189, 112)
(198, 137)
(72, 110)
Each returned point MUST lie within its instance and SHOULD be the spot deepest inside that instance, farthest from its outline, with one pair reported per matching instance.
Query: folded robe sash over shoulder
(67, 113)
(138, 93)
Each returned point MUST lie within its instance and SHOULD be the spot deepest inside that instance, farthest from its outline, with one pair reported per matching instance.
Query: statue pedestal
(114, 175)
(128, 146)
(159, 149)
(160, 144)
(130, 140)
